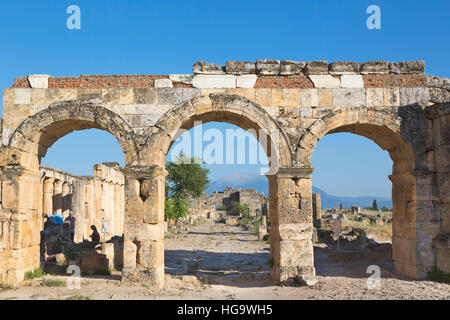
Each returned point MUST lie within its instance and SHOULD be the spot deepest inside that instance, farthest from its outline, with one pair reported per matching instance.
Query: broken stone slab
(203, 67)
(289, 67)
(407, 67)
(38, 81)
(268, 67)
(375, 67)
(344, 67)
(246, 81)
(305, 280)
(183, 78)
(163, 83)
(240, 67)
(352, 81)
(325, 81)
(214, 81)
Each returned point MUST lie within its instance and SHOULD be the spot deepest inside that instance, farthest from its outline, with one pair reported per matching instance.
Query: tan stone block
(118, 96)
(325, 97)
(38, 96)
(151, 254)
(277, 97)
(309, 97)
(154, 210)
(247, 93)
(58, 95)
(297, 253)
(375, 97)
(202, 104)
(264, 97)
(130, 253)
(291, 98)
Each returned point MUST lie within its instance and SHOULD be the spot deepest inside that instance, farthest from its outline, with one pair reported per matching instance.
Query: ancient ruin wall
(395, 104)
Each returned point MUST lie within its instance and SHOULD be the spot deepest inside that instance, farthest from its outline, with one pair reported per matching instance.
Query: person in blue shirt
(51, 222)
(58, 218)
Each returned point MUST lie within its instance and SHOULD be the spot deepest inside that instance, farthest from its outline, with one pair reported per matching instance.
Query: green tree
(241, 209)
(340, 206)
(375, 205)
(186, 178)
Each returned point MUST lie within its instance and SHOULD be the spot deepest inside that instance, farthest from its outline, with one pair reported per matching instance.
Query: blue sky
(167, 36)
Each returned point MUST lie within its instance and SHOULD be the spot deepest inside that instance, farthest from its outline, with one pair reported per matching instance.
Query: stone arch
(37, 133)
(382, 126)
(412, 248)
(233, 109)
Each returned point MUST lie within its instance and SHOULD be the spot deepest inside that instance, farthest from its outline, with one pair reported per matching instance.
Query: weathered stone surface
(203, 67)
(240, 67)
(352, 81)
(268, 67)
(183, 78)
(163, 83)
(349, 98)
(38, 80)
(316, 67)
(214, 81)
(289, 67)
(407, 67)
(246, 81)
(375, 67)
(409, 96)
(325, 81)
(344, 67)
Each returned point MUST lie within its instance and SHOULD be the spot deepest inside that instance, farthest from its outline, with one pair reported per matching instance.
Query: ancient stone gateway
(294, 103)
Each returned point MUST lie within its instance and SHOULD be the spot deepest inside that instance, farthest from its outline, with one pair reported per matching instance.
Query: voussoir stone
(203, 67)
(240, 67)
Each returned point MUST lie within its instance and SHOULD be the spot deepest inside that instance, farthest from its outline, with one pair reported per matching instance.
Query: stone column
(144, 225)
(291, 227)
(57, 196)
(22, 195)
(317, 206)
(47, 204)
(65, 199)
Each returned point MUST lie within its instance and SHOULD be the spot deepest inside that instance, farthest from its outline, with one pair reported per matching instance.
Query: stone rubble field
(218, 261)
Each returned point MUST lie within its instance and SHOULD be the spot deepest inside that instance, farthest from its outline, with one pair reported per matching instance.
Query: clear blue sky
(167, 36)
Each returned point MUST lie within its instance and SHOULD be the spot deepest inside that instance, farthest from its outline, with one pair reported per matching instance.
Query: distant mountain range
(258, 182)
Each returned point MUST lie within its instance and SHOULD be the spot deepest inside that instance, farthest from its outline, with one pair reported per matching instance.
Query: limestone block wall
(295, 103)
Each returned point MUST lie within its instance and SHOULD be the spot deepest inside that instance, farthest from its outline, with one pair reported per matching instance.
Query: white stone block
(352, 81)
(22, 96)
(246, 81)
(349, 98)
(163, 83)
(6, 135)
(39, 81)
(325, 81)
(375, 97)
(214, 81)
(183, 78)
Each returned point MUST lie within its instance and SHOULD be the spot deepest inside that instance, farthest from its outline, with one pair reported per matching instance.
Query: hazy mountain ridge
(259, 182)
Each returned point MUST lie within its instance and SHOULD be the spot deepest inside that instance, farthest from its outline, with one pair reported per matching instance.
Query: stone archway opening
(37, 189)
(352, 202)
(225, 236)
(405, 205)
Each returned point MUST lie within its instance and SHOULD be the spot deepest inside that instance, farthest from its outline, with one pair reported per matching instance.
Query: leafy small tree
(221, 208)
(243, 210)
(375, 205)
(340, 206)
(186, 178)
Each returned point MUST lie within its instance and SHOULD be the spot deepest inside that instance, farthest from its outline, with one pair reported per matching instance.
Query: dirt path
(232, 264)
